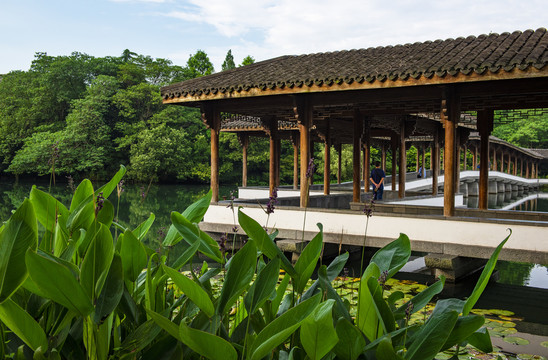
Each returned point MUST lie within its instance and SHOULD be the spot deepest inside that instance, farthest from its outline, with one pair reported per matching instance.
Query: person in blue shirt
(377, 179)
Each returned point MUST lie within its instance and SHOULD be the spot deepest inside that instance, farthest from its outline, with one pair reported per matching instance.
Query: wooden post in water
(485, 126)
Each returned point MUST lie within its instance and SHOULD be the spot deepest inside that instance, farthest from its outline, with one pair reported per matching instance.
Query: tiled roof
(481, 55)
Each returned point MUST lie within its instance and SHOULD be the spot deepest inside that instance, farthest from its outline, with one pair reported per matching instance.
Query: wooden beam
(273, 126)
(356, 183)
(450, 115)
(485, 126)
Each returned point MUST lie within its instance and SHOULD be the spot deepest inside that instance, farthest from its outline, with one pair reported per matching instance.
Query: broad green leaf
(82, 217)
(47, 208)
(333, 270)
(195, 212)
(481, 340)
(263, 286)
(278, 330)
(340, 309)
(169, 326)
(393, 256)
(138, 339)
(465, 326)
(82, 194)
(484, 277)
(60, 240)
(238, 276)
(367, 318)
(143, 228)
(57, 282)
(421, 299)
(264, 243)
(106, 214)
(447, 305)
(191, 233)
(318, 336)
(432, 336)
(97, 262)
(172, 237)
(385, 350)
(23, 325)
(208, 345)
(109, 187)
(192, 290)
(381, 307)
(280, 292)
(307, 261)
(134, 257)
(112, 290)
(19, 234)
(186, 256)
(351, 340)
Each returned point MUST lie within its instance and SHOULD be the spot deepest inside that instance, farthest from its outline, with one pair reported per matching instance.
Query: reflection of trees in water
(514, 273)
(133, 210)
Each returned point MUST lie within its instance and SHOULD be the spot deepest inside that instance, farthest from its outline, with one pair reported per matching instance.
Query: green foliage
(229, 62)
(526, 128)
(98, 297)
(247, 60)
(199, 64)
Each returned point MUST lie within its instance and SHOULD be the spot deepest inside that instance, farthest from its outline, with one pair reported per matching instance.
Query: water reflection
(512, 200)
(135, 205)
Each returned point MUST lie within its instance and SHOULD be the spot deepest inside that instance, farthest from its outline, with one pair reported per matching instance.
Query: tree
(247, 60)
(199, 64)
(229, 61)
(127, 55)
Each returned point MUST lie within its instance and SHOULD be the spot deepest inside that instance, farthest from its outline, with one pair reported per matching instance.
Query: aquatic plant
(76, 292)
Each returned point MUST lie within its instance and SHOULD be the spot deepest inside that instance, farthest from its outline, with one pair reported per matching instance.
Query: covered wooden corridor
(386, 95)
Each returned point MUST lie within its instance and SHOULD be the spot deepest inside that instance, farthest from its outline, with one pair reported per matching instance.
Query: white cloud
(273, 28)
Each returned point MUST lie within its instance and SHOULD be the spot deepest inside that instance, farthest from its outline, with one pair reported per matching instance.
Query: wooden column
(521, 166)
(509, 170)
(417, 164)
(450, 114)
(485, 126)
(423, 152)
(244, 141)
(339, 163)
(457, 167)
(366, 140)
(516, 164)
(435, 161)
(475, 158)
(212, 118)
(303, 110)
(494, 160)
(403, 161)
(357, 123)
(394, 163)
(273, 136)
(527, 169)
(383, 157)
(327, 162)
(536, 169)
(295, 143)
(465, 160)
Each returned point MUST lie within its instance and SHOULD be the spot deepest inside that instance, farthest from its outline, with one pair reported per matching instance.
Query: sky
(176, 29)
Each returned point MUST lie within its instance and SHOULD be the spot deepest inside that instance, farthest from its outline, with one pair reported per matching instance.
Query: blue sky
(175, 29)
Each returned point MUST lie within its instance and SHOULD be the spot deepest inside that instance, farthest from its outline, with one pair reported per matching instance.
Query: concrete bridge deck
(459, 236)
